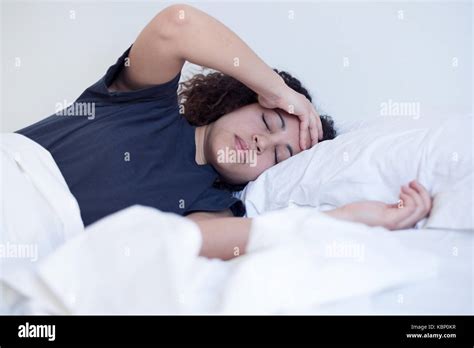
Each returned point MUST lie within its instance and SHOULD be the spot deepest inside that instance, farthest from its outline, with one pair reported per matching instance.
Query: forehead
(288, 118)
(292, 124)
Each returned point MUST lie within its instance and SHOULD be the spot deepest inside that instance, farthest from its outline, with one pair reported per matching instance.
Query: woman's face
(242, 144)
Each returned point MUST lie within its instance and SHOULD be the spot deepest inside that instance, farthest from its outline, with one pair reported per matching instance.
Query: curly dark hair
(207, 97)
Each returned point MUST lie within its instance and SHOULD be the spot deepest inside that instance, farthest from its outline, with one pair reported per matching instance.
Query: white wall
(402, 56)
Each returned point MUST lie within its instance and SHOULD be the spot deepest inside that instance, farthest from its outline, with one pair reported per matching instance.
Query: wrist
(275, 91)
(341, 213)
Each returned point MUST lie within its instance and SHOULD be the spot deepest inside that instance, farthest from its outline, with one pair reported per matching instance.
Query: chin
(229, 175)
(228, 178)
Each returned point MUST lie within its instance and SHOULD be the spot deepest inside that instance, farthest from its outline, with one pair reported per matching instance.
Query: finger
(418, 212)
(320, 126)
(424, 194)
(303, 132)
(407, 201)
(407, 206)
(399, 211)
(425, 198)
(313, 130)
(405, 215)
(419, 204)
(399, 204)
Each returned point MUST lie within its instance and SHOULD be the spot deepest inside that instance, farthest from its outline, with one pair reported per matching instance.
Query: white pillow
(372, 162)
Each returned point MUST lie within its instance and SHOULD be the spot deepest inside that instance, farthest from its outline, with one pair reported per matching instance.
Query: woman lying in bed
(135, 144)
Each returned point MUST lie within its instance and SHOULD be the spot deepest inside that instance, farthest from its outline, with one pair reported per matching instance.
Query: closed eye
(264, 121)
(266, 125)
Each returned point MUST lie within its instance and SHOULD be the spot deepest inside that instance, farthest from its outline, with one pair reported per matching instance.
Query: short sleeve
(99, 91)
(214, 200)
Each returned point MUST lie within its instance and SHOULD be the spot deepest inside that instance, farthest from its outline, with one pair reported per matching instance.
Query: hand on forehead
(306, 131)
(308, 138)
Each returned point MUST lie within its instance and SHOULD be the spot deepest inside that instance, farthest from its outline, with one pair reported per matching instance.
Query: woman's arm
(224, 238)
(227, 237)
(181, 32)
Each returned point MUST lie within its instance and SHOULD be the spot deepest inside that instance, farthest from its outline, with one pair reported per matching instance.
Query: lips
(240, 144)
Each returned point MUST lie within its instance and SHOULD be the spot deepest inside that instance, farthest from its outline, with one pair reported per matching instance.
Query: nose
(263, 142)
(259, 143)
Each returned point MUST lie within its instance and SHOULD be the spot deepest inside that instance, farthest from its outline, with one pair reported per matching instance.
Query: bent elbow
(169, 21)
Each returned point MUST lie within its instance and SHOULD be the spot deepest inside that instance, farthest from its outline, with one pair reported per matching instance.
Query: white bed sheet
(143, 261)
(450, 292)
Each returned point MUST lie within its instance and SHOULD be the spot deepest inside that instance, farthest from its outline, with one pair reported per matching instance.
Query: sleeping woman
(185, 152)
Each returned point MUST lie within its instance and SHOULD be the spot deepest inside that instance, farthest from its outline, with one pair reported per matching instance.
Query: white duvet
(141, 260)
(145, 261)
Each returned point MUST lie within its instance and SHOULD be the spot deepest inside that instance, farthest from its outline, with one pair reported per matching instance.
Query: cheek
(240, 172)
(261, 164)
(264, 161)
(218, 144)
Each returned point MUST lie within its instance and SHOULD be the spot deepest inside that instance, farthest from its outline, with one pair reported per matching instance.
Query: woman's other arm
(223, 237)
(226, 237)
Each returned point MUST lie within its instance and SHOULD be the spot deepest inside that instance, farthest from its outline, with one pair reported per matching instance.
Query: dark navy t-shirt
(117, 149)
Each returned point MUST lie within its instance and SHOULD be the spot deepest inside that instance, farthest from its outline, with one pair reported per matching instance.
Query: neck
(200, 139)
